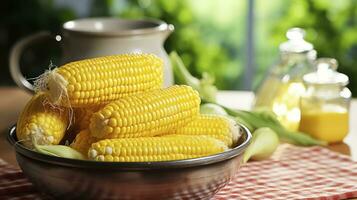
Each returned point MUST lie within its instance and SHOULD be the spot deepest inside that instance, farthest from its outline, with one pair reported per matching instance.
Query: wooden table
(12, 101)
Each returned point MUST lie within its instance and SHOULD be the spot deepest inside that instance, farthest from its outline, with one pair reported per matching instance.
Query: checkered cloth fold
(14, 185)
(312, 173)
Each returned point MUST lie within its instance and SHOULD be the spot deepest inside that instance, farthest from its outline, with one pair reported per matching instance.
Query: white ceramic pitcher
(93, 37)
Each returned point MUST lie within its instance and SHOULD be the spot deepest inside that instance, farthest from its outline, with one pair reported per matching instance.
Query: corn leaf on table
(13, 100)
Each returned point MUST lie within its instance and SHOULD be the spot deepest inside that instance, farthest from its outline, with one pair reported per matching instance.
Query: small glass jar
(325, 103)
(281, 89)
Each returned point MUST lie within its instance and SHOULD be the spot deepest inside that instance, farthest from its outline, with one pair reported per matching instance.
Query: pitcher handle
(15, 55)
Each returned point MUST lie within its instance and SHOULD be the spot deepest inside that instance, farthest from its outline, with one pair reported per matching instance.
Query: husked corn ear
(146, 114)
(41, 123)
(82, 117)
(83, 141)
(219, 127)
(80, 121)
(149, 149)
(97, 81)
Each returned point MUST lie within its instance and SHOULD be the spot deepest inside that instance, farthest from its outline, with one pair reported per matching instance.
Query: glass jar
(325, 103)
(282, 87)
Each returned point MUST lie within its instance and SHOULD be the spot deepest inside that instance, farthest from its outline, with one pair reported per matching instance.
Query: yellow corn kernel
(219, 127)
(83, 141)
(98, 81)
(146, 114)
(41, 123)
(149, 149)
(82, 117)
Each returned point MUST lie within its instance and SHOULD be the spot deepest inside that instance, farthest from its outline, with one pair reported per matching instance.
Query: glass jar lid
(296, 42)
(326, 73)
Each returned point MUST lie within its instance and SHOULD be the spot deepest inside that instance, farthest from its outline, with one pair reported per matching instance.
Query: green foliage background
(330, 25)
(205, 44)
(210, 35)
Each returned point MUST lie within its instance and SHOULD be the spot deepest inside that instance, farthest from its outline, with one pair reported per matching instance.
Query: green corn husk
(263, 145)
(259, 119)
(59, 151)
(251, 119)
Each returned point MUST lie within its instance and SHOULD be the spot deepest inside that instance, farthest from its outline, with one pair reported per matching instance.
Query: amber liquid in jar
(331, 126)
(325, 104)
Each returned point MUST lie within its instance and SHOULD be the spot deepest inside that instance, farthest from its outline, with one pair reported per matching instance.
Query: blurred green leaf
(210, 35)
(331, 26)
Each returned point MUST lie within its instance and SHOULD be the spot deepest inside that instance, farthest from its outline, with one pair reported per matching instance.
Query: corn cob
(41, 123)
(82, 117)
(97, 81)
(219, 127)
(151, 149)
(83, 141)
(146, 114)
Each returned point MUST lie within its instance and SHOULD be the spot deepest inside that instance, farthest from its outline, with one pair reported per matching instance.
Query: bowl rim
(89, 164)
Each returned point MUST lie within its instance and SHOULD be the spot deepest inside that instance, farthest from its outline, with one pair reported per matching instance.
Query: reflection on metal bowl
(62, 178)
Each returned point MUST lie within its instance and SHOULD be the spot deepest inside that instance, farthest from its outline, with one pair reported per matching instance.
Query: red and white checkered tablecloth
(14, 185)
(312, 173)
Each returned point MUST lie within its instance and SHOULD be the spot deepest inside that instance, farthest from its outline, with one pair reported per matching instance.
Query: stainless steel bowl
(62, 178)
